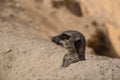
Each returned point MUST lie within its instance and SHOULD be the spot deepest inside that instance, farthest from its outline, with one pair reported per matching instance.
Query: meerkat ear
(77, 43)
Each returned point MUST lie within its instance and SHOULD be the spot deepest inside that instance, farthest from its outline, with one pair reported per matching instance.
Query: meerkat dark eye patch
(77, 43)
(64, 36)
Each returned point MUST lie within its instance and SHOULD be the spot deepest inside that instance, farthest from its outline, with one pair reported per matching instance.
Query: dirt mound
(30, 58)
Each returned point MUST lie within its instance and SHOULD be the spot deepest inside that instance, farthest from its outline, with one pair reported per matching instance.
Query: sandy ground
(26, 52)
(30, 58)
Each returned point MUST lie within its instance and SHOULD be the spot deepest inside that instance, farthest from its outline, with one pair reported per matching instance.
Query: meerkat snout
(61, 39)
(75, 43)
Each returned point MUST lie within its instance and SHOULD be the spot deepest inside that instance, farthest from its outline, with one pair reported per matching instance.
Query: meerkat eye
(64, 36)
(77, 43)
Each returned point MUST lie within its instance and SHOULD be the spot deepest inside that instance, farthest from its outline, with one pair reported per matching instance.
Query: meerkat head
(75, 43)
(71, 40)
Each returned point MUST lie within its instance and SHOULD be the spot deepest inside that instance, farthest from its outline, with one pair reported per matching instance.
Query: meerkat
(75, 43)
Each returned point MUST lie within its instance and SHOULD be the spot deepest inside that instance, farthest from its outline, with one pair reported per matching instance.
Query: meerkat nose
(54, 39)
